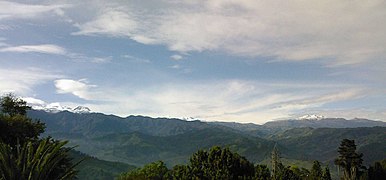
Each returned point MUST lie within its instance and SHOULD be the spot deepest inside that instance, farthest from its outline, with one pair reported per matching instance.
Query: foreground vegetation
(221, 163)
(22, 154)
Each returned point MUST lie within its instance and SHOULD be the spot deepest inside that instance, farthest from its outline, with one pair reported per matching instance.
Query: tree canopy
(22, 154)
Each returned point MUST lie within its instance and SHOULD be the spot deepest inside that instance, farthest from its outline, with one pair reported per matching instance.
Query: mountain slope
(139, 149)
(322, 144)
(96, 169)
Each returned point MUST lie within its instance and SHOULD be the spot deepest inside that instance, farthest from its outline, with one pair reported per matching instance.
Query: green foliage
(217, 163)
(180, 172)
(377, 171)
(18, 129)
(349, 160)
(326, 174)
(12, 105)
(15, 126)
(45, 160)
(262, 172)
(316, 171)
(22, 154)
(220, 163)
(155, 171)
(275, 161)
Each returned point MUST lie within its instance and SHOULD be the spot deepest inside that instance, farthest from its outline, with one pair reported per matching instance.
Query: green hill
(95, 169)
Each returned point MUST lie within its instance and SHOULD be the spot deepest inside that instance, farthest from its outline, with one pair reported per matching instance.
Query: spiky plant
(44, 160)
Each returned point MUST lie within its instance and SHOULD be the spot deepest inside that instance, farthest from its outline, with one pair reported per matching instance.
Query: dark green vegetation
(217, 163)
(350, 160)
(221, 163)
(22, 154)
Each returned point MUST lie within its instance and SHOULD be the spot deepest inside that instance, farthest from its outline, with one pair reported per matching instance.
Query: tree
(220, 163)
(326, 174)
(15, 126)
(180, 172)
(262, 172)
(349, 160)
(377, 171)
(45, 160)
(275, 160)
(316, 171)
(12, 105)
(22, 154)
(155, 171)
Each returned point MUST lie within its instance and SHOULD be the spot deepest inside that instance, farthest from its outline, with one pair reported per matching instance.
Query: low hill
(95, 169)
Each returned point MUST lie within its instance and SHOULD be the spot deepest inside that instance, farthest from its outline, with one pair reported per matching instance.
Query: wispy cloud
(176, 57)
(41, 48)
(293, 31)
(13, 10)
(111, 21)
(52, 49)
(22, 81)
(136, 59)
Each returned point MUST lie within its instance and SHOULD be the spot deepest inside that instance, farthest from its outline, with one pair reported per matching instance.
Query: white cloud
(13, 10)
(335, 32)
(42, 48)
(22, 81)
(176, 66)
(34, 101)
(135, 59)
(176, 57)
(111, 21)
(79, 88)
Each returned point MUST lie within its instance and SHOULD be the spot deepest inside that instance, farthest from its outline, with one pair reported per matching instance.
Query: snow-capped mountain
(81, 109)
(311, 117)
(56, 107)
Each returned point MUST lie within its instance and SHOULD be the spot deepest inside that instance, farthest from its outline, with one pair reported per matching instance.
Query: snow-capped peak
(56, 107)
(311, 117)
(81, 109)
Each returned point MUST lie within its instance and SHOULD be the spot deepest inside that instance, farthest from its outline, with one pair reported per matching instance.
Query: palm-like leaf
(45, 160)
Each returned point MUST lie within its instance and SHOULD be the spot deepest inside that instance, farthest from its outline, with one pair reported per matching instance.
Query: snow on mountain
(81, 109)
(311, 117)
(56, 107)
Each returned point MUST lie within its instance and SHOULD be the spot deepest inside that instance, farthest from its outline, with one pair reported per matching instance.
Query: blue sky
(215, 60)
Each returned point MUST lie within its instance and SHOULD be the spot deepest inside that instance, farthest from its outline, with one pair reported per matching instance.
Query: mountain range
(138, 140)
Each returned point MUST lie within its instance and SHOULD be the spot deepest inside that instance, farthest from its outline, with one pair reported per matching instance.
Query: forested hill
(139, 140)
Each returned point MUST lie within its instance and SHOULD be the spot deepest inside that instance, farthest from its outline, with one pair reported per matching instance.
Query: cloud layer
(335, 32)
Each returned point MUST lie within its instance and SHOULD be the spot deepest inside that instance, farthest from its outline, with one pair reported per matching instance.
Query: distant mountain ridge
(325, 123)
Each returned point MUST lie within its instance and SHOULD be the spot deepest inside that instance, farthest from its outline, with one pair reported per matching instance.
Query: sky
(214, 60)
